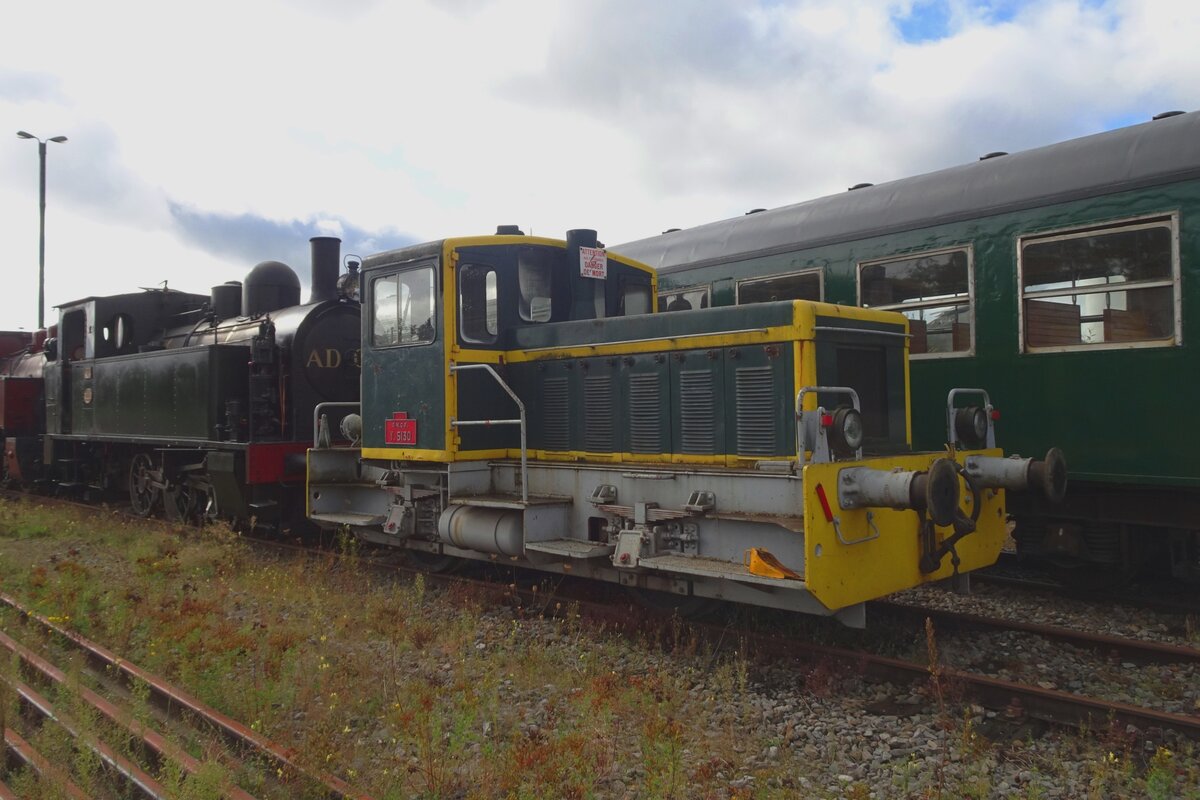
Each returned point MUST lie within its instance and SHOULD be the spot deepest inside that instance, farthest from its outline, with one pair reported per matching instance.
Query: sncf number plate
(400, 429)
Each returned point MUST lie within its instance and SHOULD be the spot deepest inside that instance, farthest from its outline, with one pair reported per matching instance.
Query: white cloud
(201, 127)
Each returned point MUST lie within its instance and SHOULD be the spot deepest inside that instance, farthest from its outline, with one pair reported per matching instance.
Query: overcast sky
(207, 137)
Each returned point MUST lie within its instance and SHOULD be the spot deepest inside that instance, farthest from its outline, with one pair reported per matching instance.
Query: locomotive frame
(708, 455)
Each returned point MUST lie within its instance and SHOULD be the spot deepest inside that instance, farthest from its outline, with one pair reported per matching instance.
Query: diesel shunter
(521, 402)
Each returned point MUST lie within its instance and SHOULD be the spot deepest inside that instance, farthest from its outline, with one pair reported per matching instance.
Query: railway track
(1181, 599)
(1013, 698)
(163, 741)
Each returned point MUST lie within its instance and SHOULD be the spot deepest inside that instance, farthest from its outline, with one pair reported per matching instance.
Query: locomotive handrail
(614, 343)
(872, 331)
(521, 406)
(317, 416)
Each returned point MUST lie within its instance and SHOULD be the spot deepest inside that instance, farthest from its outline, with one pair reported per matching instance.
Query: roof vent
(993, 154)
(755, 211)
(859, 186)
(671, 230)
(1166, 114)
(509, 230)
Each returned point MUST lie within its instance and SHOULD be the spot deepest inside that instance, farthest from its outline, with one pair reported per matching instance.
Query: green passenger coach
(1065, 278)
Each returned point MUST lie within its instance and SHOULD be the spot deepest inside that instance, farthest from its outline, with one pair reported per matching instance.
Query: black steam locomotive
(198, 405)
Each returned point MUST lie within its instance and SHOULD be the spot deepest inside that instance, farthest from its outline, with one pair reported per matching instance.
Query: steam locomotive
(196, 405)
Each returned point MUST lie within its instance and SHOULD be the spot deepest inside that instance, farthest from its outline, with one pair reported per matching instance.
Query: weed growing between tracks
(406, 690)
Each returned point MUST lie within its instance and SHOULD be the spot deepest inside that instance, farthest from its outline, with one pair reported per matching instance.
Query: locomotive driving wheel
(143, 488)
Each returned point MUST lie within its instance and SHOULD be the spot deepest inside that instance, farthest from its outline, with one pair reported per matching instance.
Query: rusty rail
(27, 755)
(130, 772)
(157, 744)
(1138, 650)
(230, 728)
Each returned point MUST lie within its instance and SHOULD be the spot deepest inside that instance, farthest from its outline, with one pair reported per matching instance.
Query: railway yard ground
(405, 687)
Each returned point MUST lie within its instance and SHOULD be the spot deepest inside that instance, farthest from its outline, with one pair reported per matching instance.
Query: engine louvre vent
(645, 413)
(756, 434)
(696, 418)
(556, 414)
(598, 414)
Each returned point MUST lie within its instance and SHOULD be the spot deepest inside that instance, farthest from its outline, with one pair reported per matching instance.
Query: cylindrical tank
(270, 286)
(488, 530)
(326, 252)
(226, 299)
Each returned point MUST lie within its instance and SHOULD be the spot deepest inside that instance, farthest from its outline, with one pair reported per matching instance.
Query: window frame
(969, 249)
(662, 294)
(819, 271)
(1169, 219)
(493, 336)
(627, 282)
(392, 271)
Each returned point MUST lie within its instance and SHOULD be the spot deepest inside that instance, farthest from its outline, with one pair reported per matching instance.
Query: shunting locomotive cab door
(403, 371)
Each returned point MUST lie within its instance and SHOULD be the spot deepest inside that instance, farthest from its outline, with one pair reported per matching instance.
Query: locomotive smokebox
(326, 254)
(270, 286)
(226, 299)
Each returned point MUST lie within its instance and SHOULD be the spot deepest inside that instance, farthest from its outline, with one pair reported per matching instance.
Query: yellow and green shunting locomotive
(521, 401)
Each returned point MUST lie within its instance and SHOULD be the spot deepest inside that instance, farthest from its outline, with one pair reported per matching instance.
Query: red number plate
(400, 429)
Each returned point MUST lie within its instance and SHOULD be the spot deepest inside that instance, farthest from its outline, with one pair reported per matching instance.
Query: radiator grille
(696, 420)
(556, 414)
(598, 414)
(645, 413)
(756, 434)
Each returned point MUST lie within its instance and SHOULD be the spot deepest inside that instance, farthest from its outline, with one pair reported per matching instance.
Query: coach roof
(1162, 151)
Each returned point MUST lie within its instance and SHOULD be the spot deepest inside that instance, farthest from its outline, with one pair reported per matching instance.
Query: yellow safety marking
(406, 454)
(841, 575)
(763, 563)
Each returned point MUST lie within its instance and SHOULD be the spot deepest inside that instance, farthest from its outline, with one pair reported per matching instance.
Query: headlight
(845, 430)
(971, 425)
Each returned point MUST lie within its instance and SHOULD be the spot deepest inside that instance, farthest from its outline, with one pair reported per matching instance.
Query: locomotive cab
(468, 300)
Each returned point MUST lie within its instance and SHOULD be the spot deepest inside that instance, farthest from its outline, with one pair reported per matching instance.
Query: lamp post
(41, 221)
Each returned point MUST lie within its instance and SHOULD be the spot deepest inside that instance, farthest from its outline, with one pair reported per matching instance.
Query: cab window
(535, 272)
(403, 308)
(477, 306)
(932, 289)
(635, 299)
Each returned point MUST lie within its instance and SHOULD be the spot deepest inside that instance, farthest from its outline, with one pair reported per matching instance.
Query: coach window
(403, 310)
(934, 290)
(804, 285)
(477, 304)
(1109, 285)
(686, 299)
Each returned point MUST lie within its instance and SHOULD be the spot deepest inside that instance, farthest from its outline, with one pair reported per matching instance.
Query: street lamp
(42, 222)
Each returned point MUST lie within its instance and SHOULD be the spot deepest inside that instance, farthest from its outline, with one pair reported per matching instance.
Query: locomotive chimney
(326, 254)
